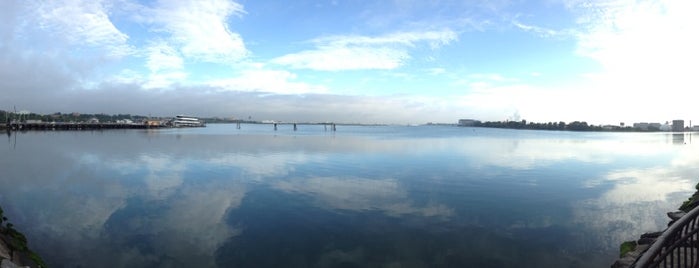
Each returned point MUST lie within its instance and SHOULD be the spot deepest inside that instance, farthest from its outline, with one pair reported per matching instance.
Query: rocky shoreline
(629, 251)
(14, 251)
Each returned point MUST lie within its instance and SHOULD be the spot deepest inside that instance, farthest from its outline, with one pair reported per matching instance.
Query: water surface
(383, 196)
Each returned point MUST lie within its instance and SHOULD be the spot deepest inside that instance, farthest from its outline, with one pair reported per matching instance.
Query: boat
(187, 121)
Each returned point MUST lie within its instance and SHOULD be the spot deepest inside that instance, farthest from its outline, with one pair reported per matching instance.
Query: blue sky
(402, 61)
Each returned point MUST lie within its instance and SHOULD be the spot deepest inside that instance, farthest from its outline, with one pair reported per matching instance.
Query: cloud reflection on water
(141, 198)
(637, 198)
(361, 194)
(532, 152)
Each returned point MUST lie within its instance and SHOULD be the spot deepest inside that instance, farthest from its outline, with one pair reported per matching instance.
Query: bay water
(362, 196)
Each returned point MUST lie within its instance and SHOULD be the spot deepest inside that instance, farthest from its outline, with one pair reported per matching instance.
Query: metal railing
(678, 246)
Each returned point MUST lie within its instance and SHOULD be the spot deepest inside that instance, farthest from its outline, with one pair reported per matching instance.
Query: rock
(651, 235)
(676, 215)
(4, 250)
(646, 240)
(649, 238)
(8, 264)
(630, 257)
(620, 263)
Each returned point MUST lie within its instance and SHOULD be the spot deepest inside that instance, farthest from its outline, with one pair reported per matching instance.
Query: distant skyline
(603, 62)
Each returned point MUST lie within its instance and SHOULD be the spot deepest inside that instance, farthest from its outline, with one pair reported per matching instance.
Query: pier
(25, 126)
(22, 126)
(333, 126)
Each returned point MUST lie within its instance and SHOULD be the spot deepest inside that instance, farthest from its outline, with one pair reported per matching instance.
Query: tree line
(67, 117)
(573, 126)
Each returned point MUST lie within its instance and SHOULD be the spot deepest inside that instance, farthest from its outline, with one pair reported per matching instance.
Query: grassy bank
(17, 244)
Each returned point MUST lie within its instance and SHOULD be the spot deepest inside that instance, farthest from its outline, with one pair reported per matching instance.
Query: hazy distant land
(8, 117)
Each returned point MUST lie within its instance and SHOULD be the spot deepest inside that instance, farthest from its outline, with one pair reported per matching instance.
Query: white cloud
(640, 36)
(538, 30)
(496, 102)
(489, 77)
(344, 58)
(436, 71)
(362, 52)
(162, 56)
(164, 80)
(270, 81)
(646, 49)
(200, 28)
(646, 56)
(435, 39)
(165, 64)
(83, 23)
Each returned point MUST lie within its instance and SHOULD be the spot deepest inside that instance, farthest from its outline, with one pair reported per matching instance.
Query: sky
(400, 61)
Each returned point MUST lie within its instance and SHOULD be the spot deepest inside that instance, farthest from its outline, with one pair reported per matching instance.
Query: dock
(26, 126)
(23, 126)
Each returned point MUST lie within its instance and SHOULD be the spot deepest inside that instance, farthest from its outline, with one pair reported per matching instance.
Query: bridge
(22, 126)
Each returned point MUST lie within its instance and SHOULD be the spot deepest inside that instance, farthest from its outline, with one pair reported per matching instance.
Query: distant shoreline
(77, 121)
(80, 126)
(677, 126)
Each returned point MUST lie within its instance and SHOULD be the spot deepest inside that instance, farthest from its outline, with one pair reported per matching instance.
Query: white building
(666, 127)
(641, 126)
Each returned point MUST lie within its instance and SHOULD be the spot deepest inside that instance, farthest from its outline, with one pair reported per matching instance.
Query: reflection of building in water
(677, 125)
(677, 138)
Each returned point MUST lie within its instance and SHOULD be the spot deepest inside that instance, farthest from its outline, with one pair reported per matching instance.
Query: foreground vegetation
(17, 243)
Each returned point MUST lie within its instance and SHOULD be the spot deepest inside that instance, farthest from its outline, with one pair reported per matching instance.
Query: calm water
(429, 196)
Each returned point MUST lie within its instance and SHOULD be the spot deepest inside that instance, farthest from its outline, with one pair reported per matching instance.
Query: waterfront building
(678, 125)
(665, 127)
(152, 123)
(654, 126)
(468, 122)
(641, 126)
